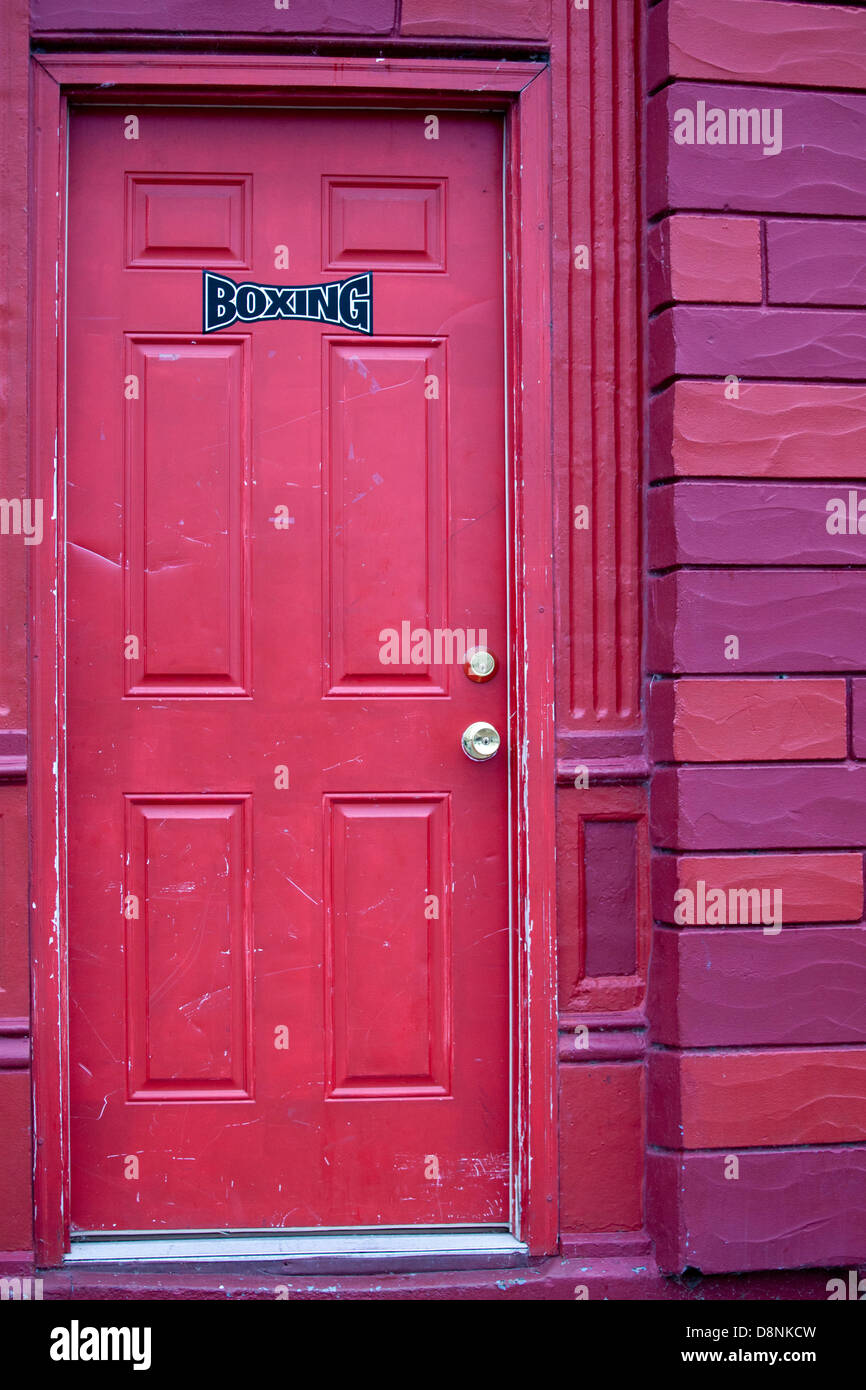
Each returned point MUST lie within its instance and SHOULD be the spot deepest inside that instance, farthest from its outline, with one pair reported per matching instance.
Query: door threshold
(337, 1251)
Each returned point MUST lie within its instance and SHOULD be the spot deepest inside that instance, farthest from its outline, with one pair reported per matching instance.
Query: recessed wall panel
(388, 949)
(185, 518)
(610, 875)
(188, 948)
(386, 517)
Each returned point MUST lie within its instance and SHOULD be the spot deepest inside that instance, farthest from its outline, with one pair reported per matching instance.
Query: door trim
(521, 91)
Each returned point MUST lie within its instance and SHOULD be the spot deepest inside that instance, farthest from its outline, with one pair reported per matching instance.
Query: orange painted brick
(765, 430)
(746, 1099)
(715, 259)
(758, 720)
(814, 887)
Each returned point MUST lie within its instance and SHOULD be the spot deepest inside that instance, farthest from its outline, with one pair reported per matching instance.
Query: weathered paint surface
(755, 270)
(16, 1203)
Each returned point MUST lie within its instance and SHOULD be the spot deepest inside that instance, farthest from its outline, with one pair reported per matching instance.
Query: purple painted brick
(789, 1207)
(816, 262)
(858, 718)
(796, 806)
(218, 16)
(737, 987)
(821, 167)
(708, 523)
(785, 621)
(696, 340)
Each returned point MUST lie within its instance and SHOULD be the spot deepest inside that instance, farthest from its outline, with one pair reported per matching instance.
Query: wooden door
(288, 884)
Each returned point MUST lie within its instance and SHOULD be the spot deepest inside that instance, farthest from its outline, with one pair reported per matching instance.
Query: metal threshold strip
(324, 1251)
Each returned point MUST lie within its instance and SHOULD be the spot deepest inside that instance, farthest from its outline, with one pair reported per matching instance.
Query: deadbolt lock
(480, 664)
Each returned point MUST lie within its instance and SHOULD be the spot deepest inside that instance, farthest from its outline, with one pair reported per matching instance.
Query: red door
(288, 884)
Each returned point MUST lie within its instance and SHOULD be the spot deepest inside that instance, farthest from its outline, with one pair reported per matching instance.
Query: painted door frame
(521, 91)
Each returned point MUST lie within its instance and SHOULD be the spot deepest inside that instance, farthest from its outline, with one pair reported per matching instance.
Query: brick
(773, 430)
(819, 262)
(785, 620)
(858, 718)
(728, 1100)
(794, 806)
(691, 340)
(219, 16)
(814, 887)
(820, 167)
(788, 1209)
(752, 720)
(658, 265)
(736, 987)
(501, 19)
(706, 260)
(715, 259)
(807, 45)
(725, 523)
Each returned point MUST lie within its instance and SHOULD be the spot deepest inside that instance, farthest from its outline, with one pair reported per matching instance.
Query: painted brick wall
(757, 638)
(499, 19)
(755, 270)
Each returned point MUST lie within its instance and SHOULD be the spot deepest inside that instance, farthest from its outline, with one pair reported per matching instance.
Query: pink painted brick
(778, 806)
(820, 262)
(693, 340)
(798, 45)
(820, 167)
(751, 523)
(218, 16)
(788, 1208)
(785, 620)
(709, 988)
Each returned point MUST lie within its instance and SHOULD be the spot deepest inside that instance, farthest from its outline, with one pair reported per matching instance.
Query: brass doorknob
(480, 742)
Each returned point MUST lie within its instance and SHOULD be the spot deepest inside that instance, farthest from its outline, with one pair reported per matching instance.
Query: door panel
(288, 886)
